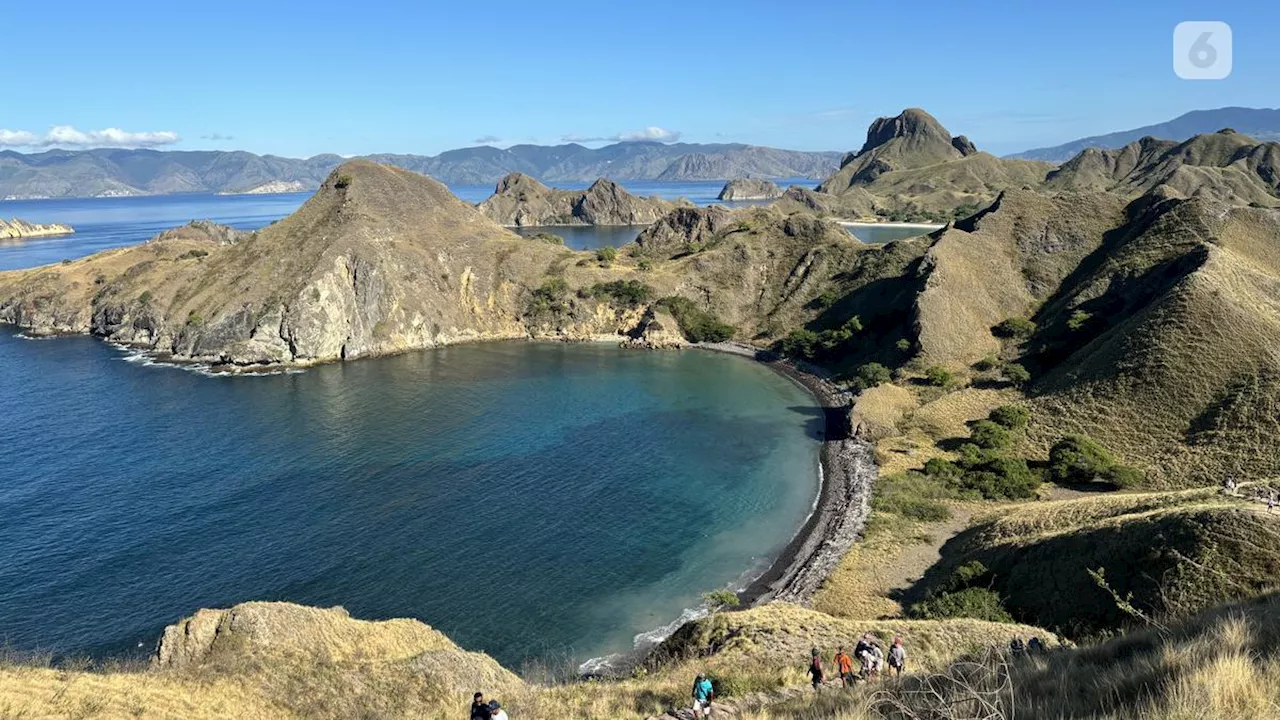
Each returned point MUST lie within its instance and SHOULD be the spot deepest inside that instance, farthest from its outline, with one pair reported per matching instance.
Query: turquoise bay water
(533, 500)
(536, 501)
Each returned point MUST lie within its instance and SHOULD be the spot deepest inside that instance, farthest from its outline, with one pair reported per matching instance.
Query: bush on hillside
(1077, 459)
(962, 597)
(548, 299)
(985, 473)
(871, 375)
(697, 324)
(987, 364)
(939, 376)
(818, 346)
(1016, 374)
(628, 293)
(990, 436)
(1010, 417)
(607, 254)
(1014, 328)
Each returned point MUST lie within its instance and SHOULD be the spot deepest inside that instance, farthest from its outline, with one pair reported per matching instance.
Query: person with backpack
(1017, 648)
(897, 657)
(844, 666)
(815, 669)
(495, 709)
(480, 709)
(1035, 646)
(703, 694)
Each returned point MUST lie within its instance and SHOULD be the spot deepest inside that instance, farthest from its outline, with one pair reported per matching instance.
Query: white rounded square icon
(1202, 50)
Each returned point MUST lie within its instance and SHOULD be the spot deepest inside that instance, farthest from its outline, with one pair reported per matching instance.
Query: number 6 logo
(1202, 50)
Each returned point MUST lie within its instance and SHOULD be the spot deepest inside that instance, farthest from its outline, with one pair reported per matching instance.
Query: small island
(18, 229)
(749, 189)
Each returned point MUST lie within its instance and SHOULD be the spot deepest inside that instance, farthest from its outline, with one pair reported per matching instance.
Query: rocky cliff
(912, 168)
(520, 201)
(17, 229)
(749, 189)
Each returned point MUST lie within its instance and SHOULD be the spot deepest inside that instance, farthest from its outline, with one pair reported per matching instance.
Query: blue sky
(354, 77)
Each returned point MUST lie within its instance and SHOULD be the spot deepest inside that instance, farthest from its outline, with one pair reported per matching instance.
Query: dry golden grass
(879, 410)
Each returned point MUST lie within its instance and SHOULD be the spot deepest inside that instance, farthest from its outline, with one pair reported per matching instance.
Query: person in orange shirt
(844, 665)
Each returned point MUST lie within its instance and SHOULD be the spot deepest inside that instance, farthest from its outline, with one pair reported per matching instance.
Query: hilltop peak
(515, 181)
(912, 123)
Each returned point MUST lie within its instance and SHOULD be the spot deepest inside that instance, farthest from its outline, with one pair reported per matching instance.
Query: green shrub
(1016, 374)
(942, 469)
(194, 320)
(986, 364)
(720, 599)
(644, 265)
(1014, 327)
(1078, 459)
(607, 254)
(547, 238)
(871, 375)
(825, 300)
(903, 345)
(549, 299)
(992, 475)
(1078, 320)
(145, 298)
(939, 376)
(193, 254)
(990, 436)
(975, 603)
(962, 597)
(629, 293)
(826, 344)
(1011, 417)
(343, 182)
(696, 324)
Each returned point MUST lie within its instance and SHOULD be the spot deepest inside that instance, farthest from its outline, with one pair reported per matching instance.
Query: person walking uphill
(897, 657)
(480, 709)
(703, 694)
(844, 666)
(815, 669)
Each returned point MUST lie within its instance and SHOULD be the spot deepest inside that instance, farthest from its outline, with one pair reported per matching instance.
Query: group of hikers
(869, 655)
(481, 710)
(1257, 493)
(1034, 646)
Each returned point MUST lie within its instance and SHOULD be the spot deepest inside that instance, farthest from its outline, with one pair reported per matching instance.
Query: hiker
(844, 666)
(866, 656)
(1271, 504)
(1035, 647)
(877, 659)
(815, 669)
(703, 694)
(480, 709)
(495, 709)
(1230, 485)
(897, 657)
(1017, 647)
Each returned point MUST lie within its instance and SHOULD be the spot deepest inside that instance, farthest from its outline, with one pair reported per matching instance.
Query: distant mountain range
(1258, 123)
(112, 172)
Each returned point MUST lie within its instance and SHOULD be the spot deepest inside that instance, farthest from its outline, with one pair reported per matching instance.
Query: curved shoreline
(844, 499)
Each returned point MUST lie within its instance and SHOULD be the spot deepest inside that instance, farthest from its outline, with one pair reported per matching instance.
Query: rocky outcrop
(683, 231)
(17, 229)
(749, 189)
(520, 201)
(911, 167)
(657, 330)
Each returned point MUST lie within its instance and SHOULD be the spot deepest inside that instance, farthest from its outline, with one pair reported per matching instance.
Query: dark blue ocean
(535, 501)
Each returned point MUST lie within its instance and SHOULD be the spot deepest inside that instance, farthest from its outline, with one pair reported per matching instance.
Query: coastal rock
(520, 201)
(657, 330)
(18, 229)
(749, 189)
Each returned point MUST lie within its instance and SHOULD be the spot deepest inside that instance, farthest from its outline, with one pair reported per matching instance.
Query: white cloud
(217, 137)
(651, 134)
(66, 136)
(488, 140)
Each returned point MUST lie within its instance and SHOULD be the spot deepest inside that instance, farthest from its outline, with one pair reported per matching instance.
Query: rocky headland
(520, 201)
(18, 229)
(749, 189)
